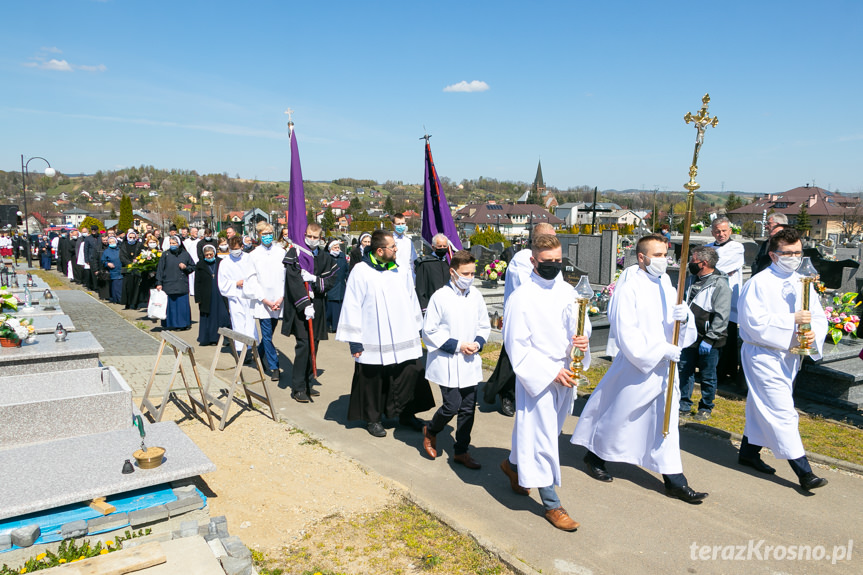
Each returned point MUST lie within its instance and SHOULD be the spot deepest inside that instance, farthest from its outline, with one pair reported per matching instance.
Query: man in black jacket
(709, 297)
(312, 286)
(432, 271)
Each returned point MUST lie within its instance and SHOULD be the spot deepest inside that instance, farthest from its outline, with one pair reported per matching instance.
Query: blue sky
(597, 90)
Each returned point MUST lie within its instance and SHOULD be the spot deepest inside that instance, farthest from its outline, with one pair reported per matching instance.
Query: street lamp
(50, 172)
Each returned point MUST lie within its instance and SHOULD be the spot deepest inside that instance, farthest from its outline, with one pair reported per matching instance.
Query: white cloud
(52, 49)
(55, 65)
(58, 65)
(99, 68)
(463, 86)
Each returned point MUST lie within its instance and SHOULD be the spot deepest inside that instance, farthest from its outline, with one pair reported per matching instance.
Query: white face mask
(153, 245)
(236, 253)
(461, 282)
(657, 266)
(788, 264)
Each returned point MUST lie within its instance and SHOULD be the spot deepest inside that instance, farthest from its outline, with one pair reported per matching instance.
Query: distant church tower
(538, 183)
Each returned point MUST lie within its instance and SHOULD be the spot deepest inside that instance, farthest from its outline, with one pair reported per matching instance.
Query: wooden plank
(99, 504)
(116, 563)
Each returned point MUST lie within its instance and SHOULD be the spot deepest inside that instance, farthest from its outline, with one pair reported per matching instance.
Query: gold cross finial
(701, 120)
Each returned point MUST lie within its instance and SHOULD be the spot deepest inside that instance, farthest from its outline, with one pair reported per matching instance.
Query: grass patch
(400, 539)
(489, 354)
(53, 280)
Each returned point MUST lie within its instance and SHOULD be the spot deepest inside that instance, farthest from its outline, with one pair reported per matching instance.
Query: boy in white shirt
(455, 329)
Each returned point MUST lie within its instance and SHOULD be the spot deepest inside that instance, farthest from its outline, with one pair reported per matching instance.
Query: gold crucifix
(290, 114)
(701, 120)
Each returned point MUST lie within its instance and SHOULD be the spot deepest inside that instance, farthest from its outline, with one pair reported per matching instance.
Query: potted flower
(8, 300)
(841, 320)
(493, 272)
(13, 331)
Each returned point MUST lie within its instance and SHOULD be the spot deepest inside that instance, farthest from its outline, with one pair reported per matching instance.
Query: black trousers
(749, 451)
(301, 376)
(729, 356)
(461, 401)
(672, 480)
(502, 380)
(395, 389)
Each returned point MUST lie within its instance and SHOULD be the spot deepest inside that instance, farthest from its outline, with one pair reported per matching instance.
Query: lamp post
(50, 172)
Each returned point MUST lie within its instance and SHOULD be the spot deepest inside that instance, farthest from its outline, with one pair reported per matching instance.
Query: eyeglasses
(393, 247)
(794, 254)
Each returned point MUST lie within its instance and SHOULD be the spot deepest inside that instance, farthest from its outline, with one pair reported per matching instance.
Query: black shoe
(811, 481)
(412, 421)
(595, 471)
(275, 374)
(314, 392)
(686, 494)
(507, 407)
(376, 429)
(685, 414)
(300, 396)
(757, 464)
(702, 415)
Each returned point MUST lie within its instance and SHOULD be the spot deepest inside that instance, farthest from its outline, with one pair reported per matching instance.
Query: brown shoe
(513, 478)
(429, 442)
(468, 461)
(560, 519)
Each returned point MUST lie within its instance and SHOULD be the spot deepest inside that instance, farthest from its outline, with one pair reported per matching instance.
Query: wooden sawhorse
(248, 343)
(180, 348)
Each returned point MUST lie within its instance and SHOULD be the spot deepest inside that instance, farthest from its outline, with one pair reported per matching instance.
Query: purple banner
(437, 218)
(297, 208)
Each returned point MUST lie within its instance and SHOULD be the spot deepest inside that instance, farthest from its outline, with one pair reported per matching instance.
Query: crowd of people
(410, 322)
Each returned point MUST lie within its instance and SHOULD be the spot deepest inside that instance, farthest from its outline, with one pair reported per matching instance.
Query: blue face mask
(401, 228)
(132, 241)
(112, 245)
(267, 239)
(209, 260)
(175, 248)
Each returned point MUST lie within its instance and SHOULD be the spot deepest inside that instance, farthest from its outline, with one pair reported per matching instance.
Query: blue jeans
(548, 495)
(689, 360)
(266, 349)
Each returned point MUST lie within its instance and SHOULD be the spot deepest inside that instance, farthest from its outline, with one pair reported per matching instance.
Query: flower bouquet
(841, 320)
(494, 271)
(8, 300)
(13, 330)
(146, 261)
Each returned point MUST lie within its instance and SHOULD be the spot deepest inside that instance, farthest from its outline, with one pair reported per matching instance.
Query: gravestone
(572, 273)
(596, 255)
(497, 248)
(483, 255)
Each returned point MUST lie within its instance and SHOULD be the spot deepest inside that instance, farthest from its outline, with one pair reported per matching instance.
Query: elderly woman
(172, 278)
(110, 261)
(359, 250)
(213, 306)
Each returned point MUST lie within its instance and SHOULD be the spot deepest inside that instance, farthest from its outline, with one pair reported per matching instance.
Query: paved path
(628, 526)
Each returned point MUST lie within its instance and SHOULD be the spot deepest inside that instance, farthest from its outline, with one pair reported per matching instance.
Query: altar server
(233, 272)
(266, 287)
(381, 320)
(770, 313)
(456, 328)
(502, 380)
(540, 324)
(623, 418)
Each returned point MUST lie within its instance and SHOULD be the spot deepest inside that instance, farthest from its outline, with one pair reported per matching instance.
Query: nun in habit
(212, 305)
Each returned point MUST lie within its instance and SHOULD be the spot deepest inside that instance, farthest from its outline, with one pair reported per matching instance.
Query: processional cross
(702, 119)
(290, 114)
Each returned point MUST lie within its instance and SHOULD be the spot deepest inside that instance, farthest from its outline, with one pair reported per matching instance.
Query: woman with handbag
(172, 277)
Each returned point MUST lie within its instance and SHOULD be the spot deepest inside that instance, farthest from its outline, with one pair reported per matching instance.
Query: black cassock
(212, 305)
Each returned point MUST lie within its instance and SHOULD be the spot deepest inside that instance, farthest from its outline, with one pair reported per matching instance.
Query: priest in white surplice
(623, 418)
(381, 319)
(769, 313)
(539, 331)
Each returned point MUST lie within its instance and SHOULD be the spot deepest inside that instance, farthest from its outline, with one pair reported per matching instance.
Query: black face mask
(441, 252)
(548, 270)
(693, 268)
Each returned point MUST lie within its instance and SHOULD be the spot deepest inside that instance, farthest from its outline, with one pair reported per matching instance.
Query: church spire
(538, 183)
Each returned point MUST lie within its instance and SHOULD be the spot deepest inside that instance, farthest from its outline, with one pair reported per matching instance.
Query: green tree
(733, 202)
(356, 206)
(328, 222)
(388, 205)
(487, 237)
(92, 224)
(126, 217)
(180, 221)
(803, 225)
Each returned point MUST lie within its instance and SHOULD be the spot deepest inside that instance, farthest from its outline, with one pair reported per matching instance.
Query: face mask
(153, 245)
(548, 270)
(208, 238)
(335, 252)
(313, 244)
(401, 228)
(788, 264)
(657, 266)
(132, 241)
(266, 239)
(175, 248)
(83, 235)
(441, 252)
(112, 244)
(223, 248)
(210, 260)
(461, 282)
(694, 269)
(236, 253)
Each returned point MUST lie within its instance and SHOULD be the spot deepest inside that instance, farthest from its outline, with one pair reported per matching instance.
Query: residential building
(510, 219)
